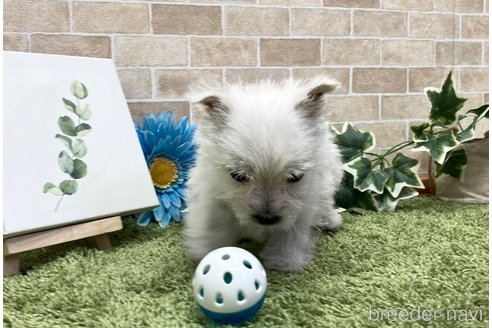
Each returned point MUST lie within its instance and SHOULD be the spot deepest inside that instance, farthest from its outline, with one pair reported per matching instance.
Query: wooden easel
(95, 233)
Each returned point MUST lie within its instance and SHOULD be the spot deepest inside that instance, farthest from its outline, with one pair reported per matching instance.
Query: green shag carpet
(429, 255)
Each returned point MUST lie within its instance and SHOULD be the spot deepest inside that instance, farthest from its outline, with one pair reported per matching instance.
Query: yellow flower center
(163, 172)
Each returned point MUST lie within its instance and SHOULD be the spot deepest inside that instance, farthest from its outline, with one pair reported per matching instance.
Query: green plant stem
(381, 158)
(58, 204)
(397, 148)
(78, 117)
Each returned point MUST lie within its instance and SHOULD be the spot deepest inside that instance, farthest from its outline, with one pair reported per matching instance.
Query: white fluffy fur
(265, 133)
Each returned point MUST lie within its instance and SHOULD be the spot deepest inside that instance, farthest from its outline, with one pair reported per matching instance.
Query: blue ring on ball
(234, 317)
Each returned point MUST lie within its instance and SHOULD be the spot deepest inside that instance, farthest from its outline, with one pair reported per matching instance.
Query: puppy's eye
(240, 176)
(294, 177)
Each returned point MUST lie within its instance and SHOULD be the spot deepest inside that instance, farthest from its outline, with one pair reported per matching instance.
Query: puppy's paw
(285, 264)
(197, 251)
(331, 222)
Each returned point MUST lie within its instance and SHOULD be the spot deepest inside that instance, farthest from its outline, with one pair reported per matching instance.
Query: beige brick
(341, 75)
(475, 27)
(425, 77)
(72, 45)
(290, 52)
(140, 109)
(35, 16)
(379, 23)
(251, 75)
(232, 2)
(405, 107)
(433, 25)
(482, 128)
(223, 52)
(181, 19)
(150, 51)
(356, 108)
(387, 134)
(15, 42)
(251, 21)
(136, 83)
(458, 53)
(486, 53)
(420, 5)
(351, 52)
(174, 83)
(408, 52)
(474, 79)
(105, 17)
(352, 3)
(459, 6)
(486, 98)
(473, 100)
(379, 80)
(310, 3)
(324, 22)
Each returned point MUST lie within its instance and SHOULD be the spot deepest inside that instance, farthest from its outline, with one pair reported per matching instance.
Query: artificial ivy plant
(372, 182)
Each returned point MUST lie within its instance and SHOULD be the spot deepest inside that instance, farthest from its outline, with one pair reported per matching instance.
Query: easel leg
(100, 241)
(11, 264)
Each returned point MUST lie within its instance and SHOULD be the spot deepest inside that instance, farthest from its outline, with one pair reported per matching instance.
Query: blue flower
(170, 153)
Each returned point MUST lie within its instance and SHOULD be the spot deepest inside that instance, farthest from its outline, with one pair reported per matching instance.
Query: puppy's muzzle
(267, 218)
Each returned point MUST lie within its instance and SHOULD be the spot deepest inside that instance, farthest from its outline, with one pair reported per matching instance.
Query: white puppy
(266, 169)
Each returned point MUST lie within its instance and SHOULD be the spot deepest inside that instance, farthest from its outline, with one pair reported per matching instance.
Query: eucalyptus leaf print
(74, 147)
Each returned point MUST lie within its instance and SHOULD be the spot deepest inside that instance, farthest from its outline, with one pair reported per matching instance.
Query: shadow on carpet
(428, 256)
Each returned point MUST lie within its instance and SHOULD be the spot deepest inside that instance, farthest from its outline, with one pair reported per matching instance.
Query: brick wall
(384, 52)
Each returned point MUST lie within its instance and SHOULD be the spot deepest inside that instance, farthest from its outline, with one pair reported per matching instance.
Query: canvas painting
(71, 153)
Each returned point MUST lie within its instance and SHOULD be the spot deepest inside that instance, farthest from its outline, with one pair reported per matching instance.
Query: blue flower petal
(143, 219)
(149, 123)
(175, 200)
(166, 201)
(159, 211)
(175, 213)
(166, 220)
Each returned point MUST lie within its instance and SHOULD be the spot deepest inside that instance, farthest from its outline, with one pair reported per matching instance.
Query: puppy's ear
(207, 104)
(312, 105)
(212, 108)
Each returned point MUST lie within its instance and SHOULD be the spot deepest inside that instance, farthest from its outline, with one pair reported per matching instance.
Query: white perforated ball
(229, 284)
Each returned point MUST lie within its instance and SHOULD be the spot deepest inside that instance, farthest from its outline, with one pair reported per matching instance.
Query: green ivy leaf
(79, 148)
(365, 176)
(67, 126)
(419, 134)
(352, 142)
(65, 140)
(52, 189)
(65, 162)
(70, 106)
(68, 187)
(445, 104)
(387, 203)
(482, 111)
(402, 173)
(454, 165)
(82, 129)
(438, 145)
(469, 132)
(83, 111)
(79, 90)
(466, 134)
(351, 199)
(79, 169)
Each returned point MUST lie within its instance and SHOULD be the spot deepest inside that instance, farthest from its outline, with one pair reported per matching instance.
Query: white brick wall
(384, 52)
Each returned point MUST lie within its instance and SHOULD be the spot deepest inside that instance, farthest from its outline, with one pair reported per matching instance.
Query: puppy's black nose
(267, 218)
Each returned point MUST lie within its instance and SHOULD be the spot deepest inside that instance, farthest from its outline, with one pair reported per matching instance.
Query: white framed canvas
(71, 153)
